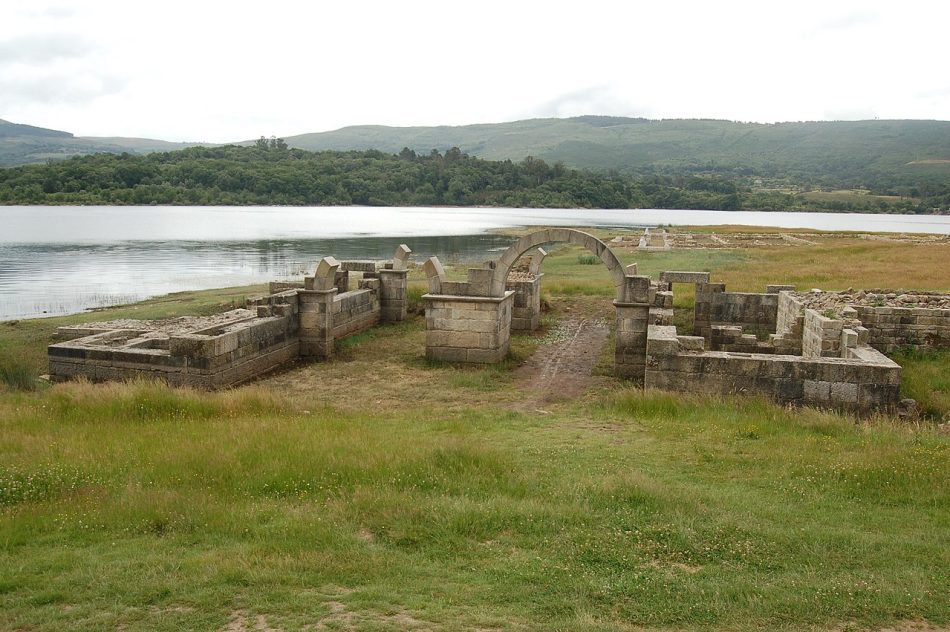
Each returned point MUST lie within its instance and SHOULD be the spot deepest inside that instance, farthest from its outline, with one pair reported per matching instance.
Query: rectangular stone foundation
(863, 381)
(470, 329)
(230, 348)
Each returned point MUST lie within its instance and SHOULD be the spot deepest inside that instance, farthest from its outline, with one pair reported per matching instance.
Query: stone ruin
(816, 348)
(791, 347)
(471, 321)
(295, 320)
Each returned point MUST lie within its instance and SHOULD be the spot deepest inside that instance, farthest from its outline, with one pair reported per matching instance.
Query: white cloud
(208, 71)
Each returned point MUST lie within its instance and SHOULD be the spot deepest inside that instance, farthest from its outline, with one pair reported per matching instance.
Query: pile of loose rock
(520, 275)
(837, 301)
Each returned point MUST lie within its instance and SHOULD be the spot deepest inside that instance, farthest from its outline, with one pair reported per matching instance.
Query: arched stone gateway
(555, 235)
(471, 321)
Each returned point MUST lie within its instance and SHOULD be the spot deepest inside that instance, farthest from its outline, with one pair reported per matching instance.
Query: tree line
(270, 173)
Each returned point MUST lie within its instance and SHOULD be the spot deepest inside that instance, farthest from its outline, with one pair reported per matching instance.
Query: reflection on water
(64, 259)
(56, 279)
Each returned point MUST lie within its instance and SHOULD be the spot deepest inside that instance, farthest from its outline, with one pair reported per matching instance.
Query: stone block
(455, 288)
(789, 390)
(815, 391)
(636, 289)
(435, 274)
(676, 276)
(485, 356)
(479, 281)
(191, 346)
(441, 338)
(692, 343)
(844, 393)
(662, 346)
(401, 257)
(446, 354)
(849, 338)
(636, 325)
(358, 266)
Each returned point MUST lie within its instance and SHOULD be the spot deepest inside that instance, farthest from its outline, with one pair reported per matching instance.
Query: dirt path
(561, 368)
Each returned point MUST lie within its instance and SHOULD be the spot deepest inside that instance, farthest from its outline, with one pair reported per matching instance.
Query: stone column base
(393, 295)
(526, 313)
(316, 323)
(471, 329)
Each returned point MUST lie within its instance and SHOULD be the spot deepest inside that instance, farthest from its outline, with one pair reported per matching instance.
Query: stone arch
(569, 235)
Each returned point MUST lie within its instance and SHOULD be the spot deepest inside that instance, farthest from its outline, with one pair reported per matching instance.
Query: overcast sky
(223, 71)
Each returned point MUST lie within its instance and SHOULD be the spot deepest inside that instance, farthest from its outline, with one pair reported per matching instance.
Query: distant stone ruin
(815, 348)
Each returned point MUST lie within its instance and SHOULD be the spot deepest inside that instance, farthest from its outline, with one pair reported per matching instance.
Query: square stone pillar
(526, 313)
(472, 329)
(703, 309)
(393, 297)
(316, 323)
(633, 318)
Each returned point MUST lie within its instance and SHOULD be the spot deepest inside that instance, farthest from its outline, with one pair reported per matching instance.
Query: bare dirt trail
(563, 365)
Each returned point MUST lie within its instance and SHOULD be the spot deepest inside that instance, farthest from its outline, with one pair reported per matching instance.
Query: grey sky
(224, 71)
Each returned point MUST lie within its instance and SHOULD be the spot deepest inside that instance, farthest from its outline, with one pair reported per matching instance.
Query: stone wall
(355, 311)
(234, 354)
(821, 336)
(894, 328)
(790, 315)
(865, 381)
(316, 323)
(732, 338)
(241, 344)
(715, 306)
(471, 329)
(393, 295)
(633, 320)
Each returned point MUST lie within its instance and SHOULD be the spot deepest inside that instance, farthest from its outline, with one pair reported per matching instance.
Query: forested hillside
(272, 173)
(26, 144)
(886, 157)
(835, 165)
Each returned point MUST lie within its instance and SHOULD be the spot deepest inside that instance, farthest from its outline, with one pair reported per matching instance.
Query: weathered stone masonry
(296, 320)
(831, 357)
(815, 348)
(457, 332)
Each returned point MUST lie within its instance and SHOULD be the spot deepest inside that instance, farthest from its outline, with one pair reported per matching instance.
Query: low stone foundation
(865, 381)
(224, 356)
(895, 319)
(298, 320)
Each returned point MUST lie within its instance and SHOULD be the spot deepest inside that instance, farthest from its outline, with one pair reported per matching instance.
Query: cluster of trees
(269, 172)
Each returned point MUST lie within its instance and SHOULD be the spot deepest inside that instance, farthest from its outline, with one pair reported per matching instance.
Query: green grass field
(381, 492)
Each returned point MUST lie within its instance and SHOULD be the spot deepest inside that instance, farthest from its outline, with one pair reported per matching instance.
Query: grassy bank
(381, 492)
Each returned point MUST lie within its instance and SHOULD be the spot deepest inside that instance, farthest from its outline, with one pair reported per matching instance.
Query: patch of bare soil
(241, 621)
(902, 626)
(562, 367)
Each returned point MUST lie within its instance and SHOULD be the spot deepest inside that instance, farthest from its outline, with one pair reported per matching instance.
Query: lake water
(65, 259)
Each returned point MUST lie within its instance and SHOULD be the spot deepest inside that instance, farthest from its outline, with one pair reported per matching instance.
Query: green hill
(838, 153)
(904, 158)
(26, 144)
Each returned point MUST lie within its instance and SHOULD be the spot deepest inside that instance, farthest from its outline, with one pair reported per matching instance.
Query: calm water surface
(65, 259)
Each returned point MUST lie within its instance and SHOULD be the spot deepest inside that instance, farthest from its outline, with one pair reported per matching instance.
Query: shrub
(17, 374)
